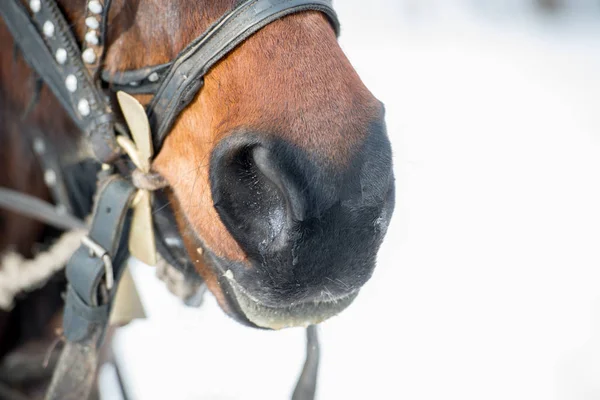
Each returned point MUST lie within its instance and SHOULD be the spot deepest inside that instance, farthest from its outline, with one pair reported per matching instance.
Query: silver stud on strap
(35, 5)
(84, 107)
(134, 83)
(71, 83)
(95, 6)
(92, 23)
(153, 77)
(92, 38)
(39, 146)
(61, 56)
(88, 56)
(50, 177)
(48, 29)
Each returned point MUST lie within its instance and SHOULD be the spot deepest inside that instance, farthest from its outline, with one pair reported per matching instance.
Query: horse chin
(250, 311)
(295, 315)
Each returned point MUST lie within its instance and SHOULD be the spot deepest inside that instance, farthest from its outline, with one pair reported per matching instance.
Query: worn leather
(85, 273)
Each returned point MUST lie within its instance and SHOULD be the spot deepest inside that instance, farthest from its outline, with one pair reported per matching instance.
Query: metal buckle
(98, 251)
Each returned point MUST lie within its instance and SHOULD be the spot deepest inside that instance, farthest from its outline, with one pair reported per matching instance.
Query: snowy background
(488, 285)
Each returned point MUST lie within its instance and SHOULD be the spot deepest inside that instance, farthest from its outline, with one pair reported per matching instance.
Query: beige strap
(127, 304)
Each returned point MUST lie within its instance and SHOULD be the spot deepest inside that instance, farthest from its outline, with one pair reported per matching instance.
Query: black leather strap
(306, 387)
(88, 307)
(37, 209)
(85, 310)
(41, 36)
(140, 81)
(185, 78)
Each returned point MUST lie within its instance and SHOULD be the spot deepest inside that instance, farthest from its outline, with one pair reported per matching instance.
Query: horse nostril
(269, 166)
(254, 199)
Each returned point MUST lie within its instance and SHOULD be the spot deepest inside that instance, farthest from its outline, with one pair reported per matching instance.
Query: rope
(18, 274)
(150, 181)
(21, 275)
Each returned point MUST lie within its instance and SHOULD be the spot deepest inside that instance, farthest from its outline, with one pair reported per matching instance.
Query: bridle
(49, 46)
(76, 78)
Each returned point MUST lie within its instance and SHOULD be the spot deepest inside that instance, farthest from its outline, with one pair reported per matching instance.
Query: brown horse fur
(291, 79)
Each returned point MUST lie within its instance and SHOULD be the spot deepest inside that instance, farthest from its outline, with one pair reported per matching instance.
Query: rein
(123, 210)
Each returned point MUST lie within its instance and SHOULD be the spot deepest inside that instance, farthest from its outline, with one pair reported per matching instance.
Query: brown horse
(280, 170)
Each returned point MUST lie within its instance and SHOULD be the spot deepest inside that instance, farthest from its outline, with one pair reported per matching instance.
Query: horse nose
(310, 229)
(255, 195)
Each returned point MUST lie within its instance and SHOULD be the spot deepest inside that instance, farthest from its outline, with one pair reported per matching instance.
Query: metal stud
(134, 83)
(35, 5)
(50, 177)
(84, 107)
(61, 56)
(71, 83)
(92, 38)
(92, 23)
(95, 6)
(88, 56)
(39, 146)
(153, 77)
(48, 29)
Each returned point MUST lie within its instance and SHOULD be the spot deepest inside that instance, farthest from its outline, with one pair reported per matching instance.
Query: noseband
(74, 74)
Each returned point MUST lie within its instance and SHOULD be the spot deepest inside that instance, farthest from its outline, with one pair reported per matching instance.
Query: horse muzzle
(310, 231)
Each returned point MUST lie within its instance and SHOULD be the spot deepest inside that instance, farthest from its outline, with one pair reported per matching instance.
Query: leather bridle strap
(101, 258)
(185, 77)
(38, 210)
(49, 47)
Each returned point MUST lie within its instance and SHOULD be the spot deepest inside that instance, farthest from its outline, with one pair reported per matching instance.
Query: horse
(279, 170)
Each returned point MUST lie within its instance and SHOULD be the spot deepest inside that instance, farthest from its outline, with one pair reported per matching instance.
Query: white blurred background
(488, 285)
